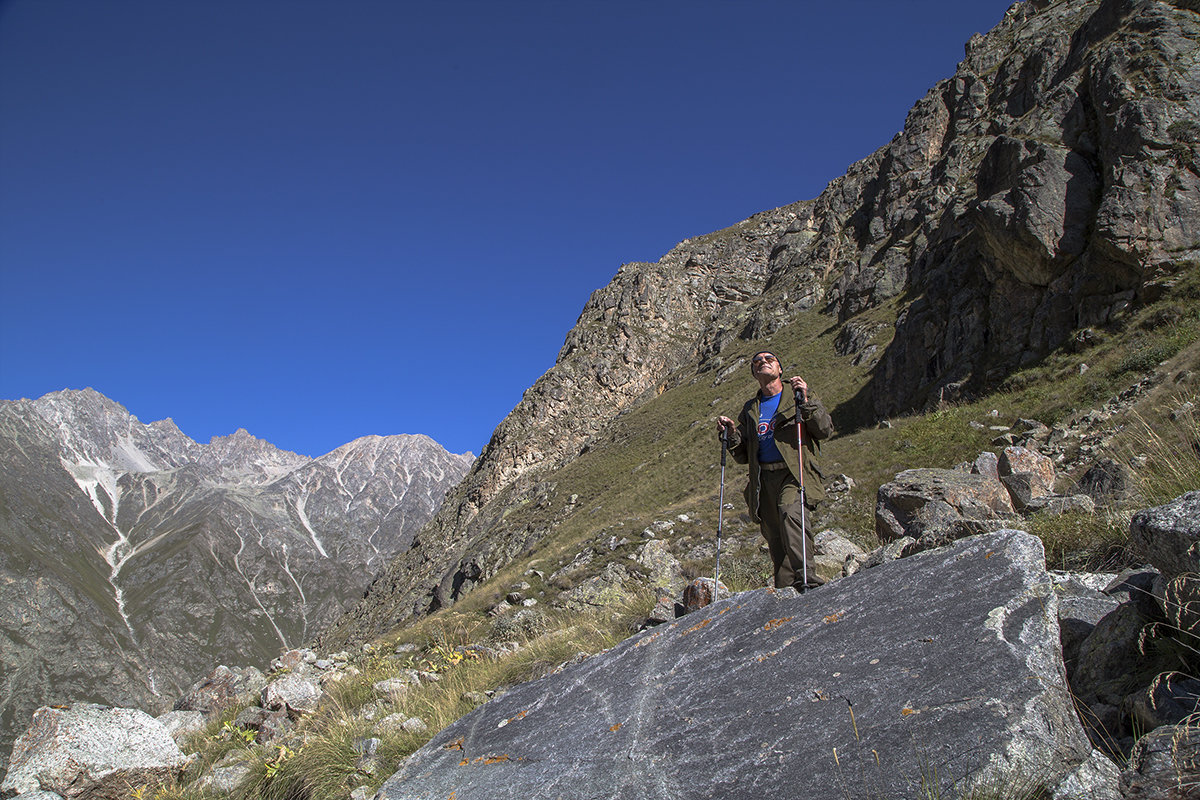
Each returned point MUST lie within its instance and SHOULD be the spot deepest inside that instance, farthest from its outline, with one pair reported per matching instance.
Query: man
(765, 437)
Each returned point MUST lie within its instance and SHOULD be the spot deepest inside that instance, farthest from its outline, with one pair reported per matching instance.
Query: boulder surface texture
(936, 673)
(91, 751)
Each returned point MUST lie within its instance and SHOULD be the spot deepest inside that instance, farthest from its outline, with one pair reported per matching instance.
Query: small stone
(400, 723)
(702, 592)
(293, 692)
(391, 687)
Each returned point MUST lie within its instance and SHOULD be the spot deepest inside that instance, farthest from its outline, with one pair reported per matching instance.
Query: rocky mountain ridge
(1049, 185)
(133, 557)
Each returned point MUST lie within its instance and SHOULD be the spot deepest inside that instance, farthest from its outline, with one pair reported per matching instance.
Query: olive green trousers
(779, 510)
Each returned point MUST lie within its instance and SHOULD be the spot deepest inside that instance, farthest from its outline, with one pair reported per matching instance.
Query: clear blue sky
(321, 219)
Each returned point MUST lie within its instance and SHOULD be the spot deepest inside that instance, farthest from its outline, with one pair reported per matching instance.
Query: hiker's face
(765, 365)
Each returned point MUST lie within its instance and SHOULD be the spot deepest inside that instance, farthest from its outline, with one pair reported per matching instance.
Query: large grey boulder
(771, 692)
(91, 751)
(1167, 535)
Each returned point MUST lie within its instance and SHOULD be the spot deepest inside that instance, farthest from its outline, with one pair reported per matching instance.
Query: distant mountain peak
(119, 539)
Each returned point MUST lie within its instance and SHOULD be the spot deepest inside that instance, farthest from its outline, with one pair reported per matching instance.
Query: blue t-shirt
(767, 450)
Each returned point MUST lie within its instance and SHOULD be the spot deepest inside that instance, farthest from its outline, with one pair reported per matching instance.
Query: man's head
(764, 364)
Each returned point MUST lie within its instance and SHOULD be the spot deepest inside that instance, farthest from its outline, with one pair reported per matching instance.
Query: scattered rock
(665, 570)
(296, 694)
(1026, 473)
(392, 687)
(1171, 698)
(224, 688)
(1167, 535)
(700, 593)
(227, 774)
(182, 724)
(922, 503)
(400, 723)
(1095, 779)
(607, 588)
(1056, 505)
(1080, 607)
(1107, 482)
(1164, 764)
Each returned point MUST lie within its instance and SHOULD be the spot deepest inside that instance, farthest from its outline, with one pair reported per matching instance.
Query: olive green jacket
(817, 426)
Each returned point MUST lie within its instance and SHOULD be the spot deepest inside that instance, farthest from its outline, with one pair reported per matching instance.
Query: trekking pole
(803, 500)
(720, 510)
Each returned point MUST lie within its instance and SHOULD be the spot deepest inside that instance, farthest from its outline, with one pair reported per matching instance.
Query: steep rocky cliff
(133, 559)
(1050, 184)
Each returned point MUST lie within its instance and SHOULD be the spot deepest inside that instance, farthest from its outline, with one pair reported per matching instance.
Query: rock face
(769, 686)
(1048, 185)
(93, 752)
(133, 559)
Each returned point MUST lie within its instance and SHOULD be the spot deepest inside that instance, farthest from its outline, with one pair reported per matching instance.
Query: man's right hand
(725, 425)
